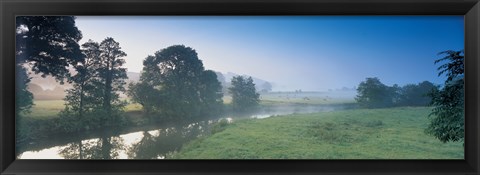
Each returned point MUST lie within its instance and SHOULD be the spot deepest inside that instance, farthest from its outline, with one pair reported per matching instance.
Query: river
(148, 142)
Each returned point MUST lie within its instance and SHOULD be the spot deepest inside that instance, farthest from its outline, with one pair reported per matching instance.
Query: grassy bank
(396, 133)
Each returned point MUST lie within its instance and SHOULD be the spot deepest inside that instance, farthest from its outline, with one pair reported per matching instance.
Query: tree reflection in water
(166, 142)
(100, 148)
(154, 144)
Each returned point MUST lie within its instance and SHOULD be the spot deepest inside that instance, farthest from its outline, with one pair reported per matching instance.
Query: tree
(266, 87)
(24, 98)
(145, 95)
(49, 45)
(180, 86)
(85, 97)
(374, 94)
(211, 90)
(113, 76)
(415, 94)
(244, 96)
(447, 116)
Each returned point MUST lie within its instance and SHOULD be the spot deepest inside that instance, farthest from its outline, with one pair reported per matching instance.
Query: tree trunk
(108, 92)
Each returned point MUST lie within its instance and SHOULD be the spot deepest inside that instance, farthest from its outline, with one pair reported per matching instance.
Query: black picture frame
(11, 8)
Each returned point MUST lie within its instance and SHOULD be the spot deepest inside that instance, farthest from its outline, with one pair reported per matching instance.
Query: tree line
(447, 121)
(94, 101)
(372, 93)
(173, 86)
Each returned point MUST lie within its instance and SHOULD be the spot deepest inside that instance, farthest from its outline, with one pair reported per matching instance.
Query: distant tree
(113, 76)
(266, 87)
(447, 117)
(184, 90)
(374, 94)
(222, 81)
(396, 94)
(48, 45)
(244, 96)
(416, 94)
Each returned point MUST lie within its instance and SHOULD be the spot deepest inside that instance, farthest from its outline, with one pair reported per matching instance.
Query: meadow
(47, 109)
(390, 133)
(393, 133)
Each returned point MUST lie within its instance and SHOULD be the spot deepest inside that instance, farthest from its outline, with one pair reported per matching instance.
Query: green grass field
(396, 133)
(46, 109)
(310, 98)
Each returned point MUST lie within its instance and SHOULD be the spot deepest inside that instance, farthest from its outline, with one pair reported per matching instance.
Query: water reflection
(101, 148)
(146, 143)
(152, 144)
(167, 141)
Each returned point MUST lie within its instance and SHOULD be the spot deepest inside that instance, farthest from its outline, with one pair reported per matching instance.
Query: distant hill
(133, 77)
(259, 83)
(57, 93)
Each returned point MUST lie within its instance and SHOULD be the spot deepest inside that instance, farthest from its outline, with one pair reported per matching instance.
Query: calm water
(151, 143)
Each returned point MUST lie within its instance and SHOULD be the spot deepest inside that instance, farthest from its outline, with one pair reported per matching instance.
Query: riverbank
(41, 131)
(394, 133)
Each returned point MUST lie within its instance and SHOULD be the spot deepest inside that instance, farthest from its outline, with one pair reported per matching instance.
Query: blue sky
(312, 53)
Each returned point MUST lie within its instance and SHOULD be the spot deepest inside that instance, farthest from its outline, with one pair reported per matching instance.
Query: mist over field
(240, 87)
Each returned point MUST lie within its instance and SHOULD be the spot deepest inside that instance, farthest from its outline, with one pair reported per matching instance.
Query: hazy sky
(311, 53)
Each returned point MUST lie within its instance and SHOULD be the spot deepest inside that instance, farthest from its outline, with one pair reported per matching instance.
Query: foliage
(24, 98)
(145, 95)
(211, 97)
(113, 77)
(447, 117)
(85, 103)
(244, 96)
(374, 94)
(41, 39)
(175, 84)
(416, 95)
(48, 45)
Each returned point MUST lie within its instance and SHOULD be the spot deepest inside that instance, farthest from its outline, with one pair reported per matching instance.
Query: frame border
(11, 8)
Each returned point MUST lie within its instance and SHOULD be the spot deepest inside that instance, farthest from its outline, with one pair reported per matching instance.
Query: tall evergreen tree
(113, 76)
(84, 98)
